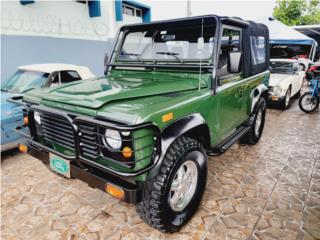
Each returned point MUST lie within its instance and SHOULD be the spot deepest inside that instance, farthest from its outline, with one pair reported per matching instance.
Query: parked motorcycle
(310, 100)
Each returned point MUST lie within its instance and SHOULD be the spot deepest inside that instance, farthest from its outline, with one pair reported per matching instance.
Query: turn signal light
(25, 120)
(23, 148)
(115, 191)
(127, 152)
(167, 117)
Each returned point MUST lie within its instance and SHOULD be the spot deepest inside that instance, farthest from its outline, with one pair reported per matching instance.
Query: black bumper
(272, 102)
(96, 178)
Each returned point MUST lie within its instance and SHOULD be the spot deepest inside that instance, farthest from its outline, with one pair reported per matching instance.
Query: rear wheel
(256, 124)
(173, 196)
(308, 103)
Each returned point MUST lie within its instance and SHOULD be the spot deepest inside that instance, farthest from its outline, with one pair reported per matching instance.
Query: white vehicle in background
(286, 80)
(26, 78)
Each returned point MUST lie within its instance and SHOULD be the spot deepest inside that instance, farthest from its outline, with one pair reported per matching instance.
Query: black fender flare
(192, 125)
(259, 91)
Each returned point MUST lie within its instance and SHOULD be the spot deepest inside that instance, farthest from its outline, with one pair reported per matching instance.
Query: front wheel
(172, 197)
(308, 103)
(256, 124)
(286, 101)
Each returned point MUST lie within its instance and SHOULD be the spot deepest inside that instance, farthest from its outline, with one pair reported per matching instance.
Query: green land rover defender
(173, 92)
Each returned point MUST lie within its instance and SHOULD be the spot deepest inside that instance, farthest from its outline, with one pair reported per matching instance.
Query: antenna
(200, 68)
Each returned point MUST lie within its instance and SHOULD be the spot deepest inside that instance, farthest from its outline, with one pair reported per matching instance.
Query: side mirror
(234, 61)
(106, 59)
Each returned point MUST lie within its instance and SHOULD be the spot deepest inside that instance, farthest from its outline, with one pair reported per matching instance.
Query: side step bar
(227, 143)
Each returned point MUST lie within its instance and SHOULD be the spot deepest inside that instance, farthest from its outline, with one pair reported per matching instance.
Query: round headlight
(37, 117)
(277, 90)
(113, 139)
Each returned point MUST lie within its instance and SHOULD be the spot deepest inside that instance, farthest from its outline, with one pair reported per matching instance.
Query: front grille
(88, 141)
(92, 145)
(57, 129)
(270, 88)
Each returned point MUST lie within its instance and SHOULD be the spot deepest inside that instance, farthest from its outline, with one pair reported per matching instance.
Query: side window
(258, 49)
(55, 80)
(69, 76)
(230, 42)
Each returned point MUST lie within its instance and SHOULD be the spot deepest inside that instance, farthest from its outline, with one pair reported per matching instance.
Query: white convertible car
(25, 79)
(286, 80)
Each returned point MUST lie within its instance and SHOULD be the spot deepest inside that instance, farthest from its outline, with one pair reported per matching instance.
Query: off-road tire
(154, 208)
(250, 137)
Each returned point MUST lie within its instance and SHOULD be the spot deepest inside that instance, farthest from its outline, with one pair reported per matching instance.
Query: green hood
(120, 85)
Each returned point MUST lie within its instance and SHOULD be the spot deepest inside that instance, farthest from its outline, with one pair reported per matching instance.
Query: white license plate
(60, 165)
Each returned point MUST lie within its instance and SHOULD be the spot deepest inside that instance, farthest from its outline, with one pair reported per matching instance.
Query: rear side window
(258, 49)
(69, 76)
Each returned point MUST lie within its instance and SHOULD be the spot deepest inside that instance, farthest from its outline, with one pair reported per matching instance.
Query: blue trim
(94, 8)
(291, 41)
(118, 9)
(25, 2)
(146, 10)
(135, 4)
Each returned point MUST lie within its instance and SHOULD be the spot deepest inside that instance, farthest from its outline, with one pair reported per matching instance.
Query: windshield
(22, 81)
(176, 45)
(281, 67)
(289, 51)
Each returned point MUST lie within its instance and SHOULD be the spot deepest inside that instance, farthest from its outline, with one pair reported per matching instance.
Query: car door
(231, 111)
(300, 78)
(297, 79)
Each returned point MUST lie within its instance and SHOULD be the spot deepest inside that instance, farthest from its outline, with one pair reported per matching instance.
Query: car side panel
(230, 110)
(297, 81)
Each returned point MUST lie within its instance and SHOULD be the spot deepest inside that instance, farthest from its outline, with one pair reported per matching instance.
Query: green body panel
(134, 97)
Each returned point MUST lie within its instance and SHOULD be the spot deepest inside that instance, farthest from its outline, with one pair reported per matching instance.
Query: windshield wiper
(173, 54)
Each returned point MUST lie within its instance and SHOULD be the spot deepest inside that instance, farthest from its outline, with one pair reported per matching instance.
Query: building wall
(66, 19)
(57, 31)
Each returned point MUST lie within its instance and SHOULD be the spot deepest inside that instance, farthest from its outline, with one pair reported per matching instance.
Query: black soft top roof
(236, 21)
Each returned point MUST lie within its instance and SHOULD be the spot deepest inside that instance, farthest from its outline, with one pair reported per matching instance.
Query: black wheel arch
(193, 126)
(264, 95)
(261, 92)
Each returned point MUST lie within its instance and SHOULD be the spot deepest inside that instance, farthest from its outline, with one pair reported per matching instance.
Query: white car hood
(276, 79)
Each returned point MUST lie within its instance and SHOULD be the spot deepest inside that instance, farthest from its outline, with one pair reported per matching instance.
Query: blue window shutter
(25, 2)
(118, 9)
(146, 15)
(94, 8)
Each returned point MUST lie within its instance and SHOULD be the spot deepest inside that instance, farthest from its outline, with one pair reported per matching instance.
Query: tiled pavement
(267, 191)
